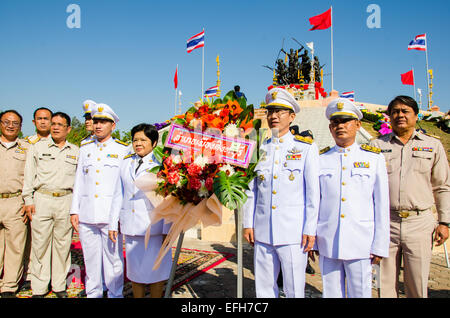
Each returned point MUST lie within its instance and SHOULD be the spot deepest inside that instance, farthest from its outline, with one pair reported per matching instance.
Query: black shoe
(8, 295)
(309, 269)
(105, 294)
(37, 296)
(61, 294)
(26, 285)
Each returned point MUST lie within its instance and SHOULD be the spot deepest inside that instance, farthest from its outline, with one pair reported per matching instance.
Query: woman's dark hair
(405, 100)
(62, 115)
(149, 130)
(11, 111)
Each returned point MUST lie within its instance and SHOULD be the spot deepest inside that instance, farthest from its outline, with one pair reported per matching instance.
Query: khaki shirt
(12, 165)
(49, 168)
(418, 173)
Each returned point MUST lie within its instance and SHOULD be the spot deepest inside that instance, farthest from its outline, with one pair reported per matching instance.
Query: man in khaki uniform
(13, 230)
(418, 177)
(41, 120)
(49, 178)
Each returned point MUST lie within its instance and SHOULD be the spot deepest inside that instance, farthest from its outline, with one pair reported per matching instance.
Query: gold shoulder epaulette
(434, 136)
(306, 140)
(121, 142)
(129, 156)
(31, 142)
(324, 150)
(87, 143)
(370, 149)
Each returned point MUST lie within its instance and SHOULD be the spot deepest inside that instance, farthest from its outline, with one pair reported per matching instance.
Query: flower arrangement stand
(238, 218)
(168, 292)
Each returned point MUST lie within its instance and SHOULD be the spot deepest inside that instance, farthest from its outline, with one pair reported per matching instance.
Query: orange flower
(246, 126)
(235, 108)
(217, 123)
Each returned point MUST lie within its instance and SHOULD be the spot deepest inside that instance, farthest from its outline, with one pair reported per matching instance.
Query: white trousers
(338, 274)
(103, 260)
(269, 259)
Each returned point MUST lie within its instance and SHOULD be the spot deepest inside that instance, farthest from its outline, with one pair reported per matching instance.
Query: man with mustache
(418, 177)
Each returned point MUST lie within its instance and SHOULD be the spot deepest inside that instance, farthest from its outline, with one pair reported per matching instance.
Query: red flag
(408, 78)
(175, 80)
(321, 21)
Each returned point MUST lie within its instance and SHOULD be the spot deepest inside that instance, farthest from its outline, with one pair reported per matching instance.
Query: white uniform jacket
(95, 180)
(283, 200)
(354, 204)
(130, 205)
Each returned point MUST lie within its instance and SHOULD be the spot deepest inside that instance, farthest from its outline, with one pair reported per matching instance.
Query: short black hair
(11, 111)
(237, 88)
(42, 108)
(149, 130)
(405, 100)
(63, 115)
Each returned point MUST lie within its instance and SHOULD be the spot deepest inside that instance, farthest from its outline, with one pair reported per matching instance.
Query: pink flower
(173, 177)
(195, 183)
(209, 183)
(194, 170)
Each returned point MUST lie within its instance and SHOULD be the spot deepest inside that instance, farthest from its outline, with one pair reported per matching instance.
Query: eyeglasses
(277, 112)
(58, 125)
(6, 123)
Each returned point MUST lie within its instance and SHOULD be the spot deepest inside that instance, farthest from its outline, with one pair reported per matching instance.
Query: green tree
(78, 132)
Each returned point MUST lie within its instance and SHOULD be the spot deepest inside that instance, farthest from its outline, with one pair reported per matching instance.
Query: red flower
(168, 162)
(195, 183)
(194, 170)
(173, 177)
(209, 183)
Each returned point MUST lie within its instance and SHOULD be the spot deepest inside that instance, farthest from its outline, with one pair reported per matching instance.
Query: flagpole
(428, 76)
(332, 62)
(176, 93)
(203, 68)
(414, 84)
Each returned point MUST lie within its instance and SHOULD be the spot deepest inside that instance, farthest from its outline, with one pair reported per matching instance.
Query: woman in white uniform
(131, 208)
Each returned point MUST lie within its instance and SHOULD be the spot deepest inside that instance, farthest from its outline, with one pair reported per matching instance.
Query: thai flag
(348, 95)
(212, 91)
(419, 43)
(196, 41)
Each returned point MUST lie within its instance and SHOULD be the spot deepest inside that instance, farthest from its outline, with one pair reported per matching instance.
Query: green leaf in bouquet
(180, 121)
(242, 102)
(192, 110)
(164, 137)
(231, 95)
(218, 101)
(158, 152)
(230, 190)
(155, 169)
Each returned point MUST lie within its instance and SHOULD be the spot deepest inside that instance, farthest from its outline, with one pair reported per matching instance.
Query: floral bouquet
(197, 183)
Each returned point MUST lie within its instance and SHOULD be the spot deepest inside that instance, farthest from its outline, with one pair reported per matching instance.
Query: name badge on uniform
(46, 154)
(71, 157)
(361, 165)
(112, 156)
(426, 149)
(386, 150)
(297, 156)
(19, 151)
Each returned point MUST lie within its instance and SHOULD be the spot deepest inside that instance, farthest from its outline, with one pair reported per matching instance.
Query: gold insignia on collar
(324, 150)
(370, 148)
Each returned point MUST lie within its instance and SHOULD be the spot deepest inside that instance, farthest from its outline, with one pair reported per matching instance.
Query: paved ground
(220, 282)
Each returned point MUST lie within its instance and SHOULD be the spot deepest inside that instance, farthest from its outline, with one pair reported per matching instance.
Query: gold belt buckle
(403, 214)
(56, 194)
(4, 195)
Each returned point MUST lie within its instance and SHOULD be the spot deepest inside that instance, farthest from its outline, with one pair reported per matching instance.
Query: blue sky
(126, 52)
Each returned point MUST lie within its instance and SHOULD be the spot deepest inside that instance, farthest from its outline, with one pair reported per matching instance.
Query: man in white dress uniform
(95, 180)
(353, 225)
(280, 214)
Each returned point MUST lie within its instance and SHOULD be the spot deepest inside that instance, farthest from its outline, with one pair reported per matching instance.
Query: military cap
(342, 108)
(103, 111)
(281, 98)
